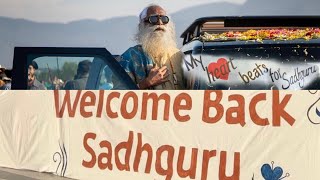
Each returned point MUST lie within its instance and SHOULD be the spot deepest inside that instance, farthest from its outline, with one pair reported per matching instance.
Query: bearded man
(156, 62)
(33, 83)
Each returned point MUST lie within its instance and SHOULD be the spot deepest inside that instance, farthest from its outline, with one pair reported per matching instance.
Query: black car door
(57, 68)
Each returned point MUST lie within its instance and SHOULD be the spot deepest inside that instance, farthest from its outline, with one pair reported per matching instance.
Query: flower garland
(264, 34)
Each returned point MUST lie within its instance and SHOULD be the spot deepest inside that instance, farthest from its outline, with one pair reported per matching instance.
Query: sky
(71, 10)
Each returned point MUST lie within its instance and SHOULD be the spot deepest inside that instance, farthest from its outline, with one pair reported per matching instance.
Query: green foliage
(69, 69)
(66, 73)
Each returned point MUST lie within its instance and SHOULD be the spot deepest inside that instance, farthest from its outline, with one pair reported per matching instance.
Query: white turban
(143, 14)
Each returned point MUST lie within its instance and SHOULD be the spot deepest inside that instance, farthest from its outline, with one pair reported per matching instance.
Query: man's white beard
(159, 45)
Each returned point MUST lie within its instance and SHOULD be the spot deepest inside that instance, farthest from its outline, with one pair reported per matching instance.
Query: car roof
(227, 23)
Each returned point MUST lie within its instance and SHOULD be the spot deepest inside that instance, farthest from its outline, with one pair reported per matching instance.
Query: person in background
(1, 84)
(108, 84)
(33, 83)
(7, 84)
(2, 72)
(57, 83)
(81, 78)
(156, 62)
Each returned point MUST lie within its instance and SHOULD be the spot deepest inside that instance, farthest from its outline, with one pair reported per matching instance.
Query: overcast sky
(69, 10)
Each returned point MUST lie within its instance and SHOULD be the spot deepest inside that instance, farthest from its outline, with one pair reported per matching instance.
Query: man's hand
(156, 76)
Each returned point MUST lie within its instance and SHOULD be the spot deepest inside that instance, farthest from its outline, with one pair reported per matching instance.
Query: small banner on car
(225, 135)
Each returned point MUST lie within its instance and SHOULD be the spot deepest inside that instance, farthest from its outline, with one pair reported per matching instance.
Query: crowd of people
(154, 63)
(79, 81)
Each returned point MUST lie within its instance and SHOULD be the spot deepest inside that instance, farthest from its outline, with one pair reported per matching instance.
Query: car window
(71, 73)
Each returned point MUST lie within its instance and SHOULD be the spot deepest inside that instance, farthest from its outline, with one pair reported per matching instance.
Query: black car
(253, 53)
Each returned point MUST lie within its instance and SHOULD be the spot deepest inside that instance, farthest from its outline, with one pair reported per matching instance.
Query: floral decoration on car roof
(264, 34)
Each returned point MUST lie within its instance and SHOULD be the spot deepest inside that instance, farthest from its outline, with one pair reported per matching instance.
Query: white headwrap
(143, 14)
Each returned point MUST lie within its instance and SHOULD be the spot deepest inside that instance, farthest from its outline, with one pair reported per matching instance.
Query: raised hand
(156, 76)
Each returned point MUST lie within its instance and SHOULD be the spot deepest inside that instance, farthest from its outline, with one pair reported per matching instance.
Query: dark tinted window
(74, 73)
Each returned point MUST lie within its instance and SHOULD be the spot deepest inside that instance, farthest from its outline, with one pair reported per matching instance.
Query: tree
(69, 69)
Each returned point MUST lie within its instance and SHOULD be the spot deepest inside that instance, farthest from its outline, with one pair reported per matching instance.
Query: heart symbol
(269, 174)
(220, 69)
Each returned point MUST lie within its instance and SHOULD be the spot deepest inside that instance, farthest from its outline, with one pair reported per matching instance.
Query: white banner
(225, 135)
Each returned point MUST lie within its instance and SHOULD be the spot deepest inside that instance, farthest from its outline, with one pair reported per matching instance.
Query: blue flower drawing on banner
(270, 173)
(314, 110)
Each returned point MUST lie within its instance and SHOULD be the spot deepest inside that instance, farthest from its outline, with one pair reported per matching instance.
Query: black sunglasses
(154, 19)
